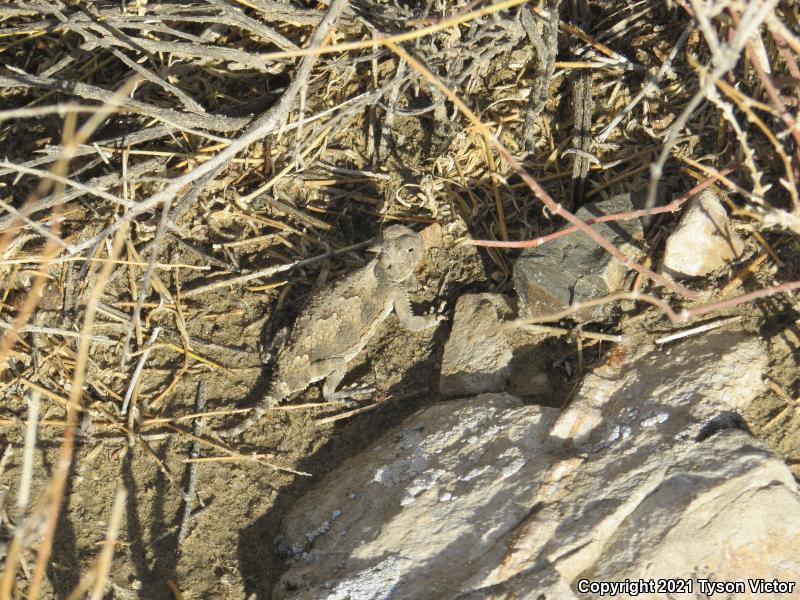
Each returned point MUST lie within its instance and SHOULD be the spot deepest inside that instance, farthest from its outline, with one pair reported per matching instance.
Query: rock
(703, 241)
(421, 507)
(485, 354)
(649, 473)
(573, 268)
(449, 262)
(432, 236)
(478, 352)
(723, 370)
(660, 458)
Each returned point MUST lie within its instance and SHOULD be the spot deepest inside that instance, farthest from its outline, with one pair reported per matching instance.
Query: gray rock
(573, 268)
(703, 241)
(649, 473)
(484, 354)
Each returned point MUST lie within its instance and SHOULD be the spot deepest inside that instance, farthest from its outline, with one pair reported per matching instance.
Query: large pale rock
(573, 268)
(409, 517)
(703, 241)
(485, 354)
(664, 455)
(647, 474)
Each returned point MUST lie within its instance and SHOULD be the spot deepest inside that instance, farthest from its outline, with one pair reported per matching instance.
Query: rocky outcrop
(650, 473)
(438, 493)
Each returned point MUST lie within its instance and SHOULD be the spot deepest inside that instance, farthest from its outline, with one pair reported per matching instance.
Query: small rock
(432, 236)
(703, 241)
(573, 268)
(449, 261)
(478, 352)
(485, 354)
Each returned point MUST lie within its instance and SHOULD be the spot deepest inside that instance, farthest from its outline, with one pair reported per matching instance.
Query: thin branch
(103, 566)
(191, 489)
(93, 186)
(399, 38)
(722, 62)
(269, 271)
(59, 480)
(622, 216)
(185, 121)
(188, 102)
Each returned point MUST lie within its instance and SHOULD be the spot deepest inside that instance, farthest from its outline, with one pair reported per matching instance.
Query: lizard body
(340, 319)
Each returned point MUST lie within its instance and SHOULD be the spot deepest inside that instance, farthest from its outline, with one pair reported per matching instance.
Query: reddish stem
(632, 214)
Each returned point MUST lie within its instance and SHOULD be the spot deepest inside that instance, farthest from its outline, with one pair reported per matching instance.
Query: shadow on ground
(259, 560)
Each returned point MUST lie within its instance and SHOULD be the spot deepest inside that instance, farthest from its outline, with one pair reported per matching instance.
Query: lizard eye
(411, 249)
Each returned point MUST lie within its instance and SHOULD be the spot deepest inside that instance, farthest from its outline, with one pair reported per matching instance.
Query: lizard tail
(255, 416)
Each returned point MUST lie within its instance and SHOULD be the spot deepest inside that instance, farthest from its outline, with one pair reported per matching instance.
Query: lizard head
(400, 250)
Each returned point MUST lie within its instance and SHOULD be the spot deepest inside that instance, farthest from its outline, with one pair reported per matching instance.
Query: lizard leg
(271, 346)
(333, 380)
(255, 416)
(412, 322)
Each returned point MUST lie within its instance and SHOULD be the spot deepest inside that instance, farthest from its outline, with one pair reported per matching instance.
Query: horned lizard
(341, 319)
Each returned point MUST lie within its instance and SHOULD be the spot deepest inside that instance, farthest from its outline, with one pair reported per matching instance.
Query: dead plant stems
(103, 566)
(264, 124)
(396, 39)
(677, 317)
(58, 482)
(270, 271)
(634, 214)
(538, 190)
(723, 60)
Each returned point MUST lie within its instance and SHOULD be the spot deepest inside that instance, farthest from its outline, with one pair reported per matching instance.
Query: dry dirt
(232, 547)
